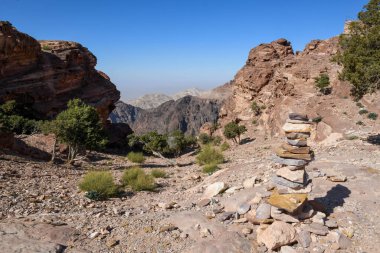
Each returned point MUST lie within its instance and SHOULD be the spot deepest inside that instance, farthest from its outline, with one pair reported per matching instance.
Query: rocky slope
(46, 74)
(283, 81)
(187, 114)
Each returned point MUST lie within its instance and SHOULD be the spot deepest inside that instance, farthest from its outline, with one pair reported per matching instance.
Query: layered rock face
(283, 81)
(46, 74)
(187, 114)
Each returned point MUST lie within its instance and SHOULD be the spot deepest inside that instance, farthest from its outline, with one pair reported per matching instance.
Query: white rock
(249, 182)
(214, 189)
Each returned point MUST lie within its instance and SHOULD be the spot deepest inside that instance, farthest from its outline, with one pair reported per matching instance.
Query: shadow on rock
(334, 198)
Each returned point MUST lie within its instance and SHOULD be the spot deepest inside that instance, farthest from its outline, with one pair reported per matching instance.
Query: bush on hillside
(136, 157)
(172, 144)
(156, 173)
(225, 146)
(210, 168)
(138, 180)
(360, 51)
(322, 83)
(209, 155)
(17, 119)
(372, 116)
(233, 131)
(99, 185)
(79, 127)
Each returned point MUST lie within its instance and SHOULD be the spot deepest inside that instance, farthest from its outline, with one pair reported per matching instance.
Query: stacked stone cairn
(291, 180)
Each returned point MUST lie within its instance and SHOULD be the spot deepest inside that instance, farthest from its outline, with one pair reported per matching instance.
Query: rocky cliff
(282, 81)
(46, 74)
(187, 114)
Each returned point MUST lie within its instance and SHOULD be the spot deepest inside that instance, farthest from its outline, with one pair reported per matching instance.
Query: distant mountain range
(186, 111)
(153, 100)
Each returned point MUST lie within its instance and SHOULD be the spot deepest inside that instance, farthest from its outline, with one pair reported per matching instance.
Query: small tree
(322, 83)
(79, 127)
(162, 145)
(233, 131)
(360, 51)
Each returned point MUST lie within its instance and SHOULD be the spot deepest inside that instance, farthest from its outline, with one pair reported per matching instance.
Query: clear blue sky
(169, 45)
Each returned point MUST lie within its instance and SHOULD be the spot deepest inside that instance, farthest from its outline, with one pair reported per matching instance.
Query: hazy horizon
(169, 46)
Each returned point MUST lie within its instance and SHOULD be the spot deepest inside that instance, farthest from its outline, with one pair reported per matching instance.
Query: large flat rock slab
(34, 237)
(220, 239)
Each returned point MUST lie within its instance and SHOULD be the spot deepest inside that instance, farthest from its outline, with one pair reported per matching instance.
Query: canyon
(43, 210)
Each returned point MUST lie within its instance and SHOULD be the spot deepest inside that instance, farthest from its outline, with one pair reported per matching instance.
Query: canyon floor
(43, 210)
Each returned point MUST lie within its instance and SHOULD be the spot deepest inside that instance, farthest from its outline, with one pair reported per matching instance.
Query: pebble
(304, 238)
(246, 231)
(112, 242)
(244, 208)
(204, 202)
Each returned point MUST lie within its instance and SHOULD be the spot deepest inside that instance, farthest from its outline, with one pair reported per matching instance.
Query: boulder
(45, 75)
(276, 235)
(288, 202)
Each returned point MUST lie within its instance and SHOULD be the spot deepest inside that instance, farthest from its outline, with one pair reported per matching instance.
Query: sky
(166, 46)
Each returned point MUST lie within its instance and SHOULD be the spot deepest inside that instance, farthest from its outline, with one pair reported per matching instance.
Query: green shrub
(156, 173)
(233, 131)
(204, 138)
(352, 137)
(360, 105)
(80, 127)
(317, 119)
(360, 123)
(46, 48)
(99, 185)
(225, 146)
(209, 155)
(359, 51)
(322, 83)
(372, 116)
(217, 140)
(136, 157)
(138, 180)
(172, 144)
(363, 111)
(210, 168)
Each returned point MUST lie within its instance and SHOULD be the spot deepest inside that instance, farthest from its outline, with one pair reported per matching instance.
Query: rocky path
(39, 197)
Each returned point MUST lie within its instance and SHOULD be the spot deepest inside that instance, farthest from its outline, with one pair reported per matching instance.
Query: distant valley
(187, 110)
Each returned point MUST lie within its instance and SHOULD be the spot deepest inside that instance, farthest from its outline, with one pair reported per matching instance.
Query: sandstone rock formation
(187, 114)
(282, 81)
(45, 75)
